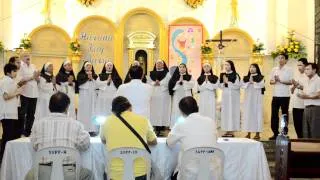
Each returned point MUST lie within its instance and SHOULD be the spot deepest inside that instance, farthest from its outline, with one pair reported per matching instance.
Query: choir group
(26, 93)
(96, 91)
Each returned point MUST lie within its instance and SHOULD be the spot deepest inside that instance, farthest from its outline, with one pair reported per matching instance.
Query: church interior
(122, 31)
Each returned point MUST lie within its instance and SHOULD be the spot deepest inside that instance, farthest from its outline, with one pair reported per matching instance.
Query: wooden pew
(297, 158)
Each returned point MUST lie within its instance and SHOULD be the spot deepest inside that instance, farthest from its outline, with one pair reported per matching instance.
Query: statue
(143, 64)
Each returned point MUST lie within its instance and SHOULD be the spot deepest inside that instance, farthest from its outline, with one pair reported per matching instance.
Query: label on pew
(51, 152)
(203, 151)
(129, 152)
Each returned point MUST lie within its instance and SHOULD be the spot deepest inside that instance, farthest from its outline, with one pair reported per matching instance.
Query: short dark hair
(59, 102)
(12, 59)
(136, 72)
(120, 104)
(304, 61)
(314, 66)
(286, 57)
(8, 68)
(188, 105)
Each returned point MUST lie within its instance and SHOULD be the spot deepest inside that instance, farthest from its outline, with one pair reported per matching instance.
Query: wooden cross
(220, 40)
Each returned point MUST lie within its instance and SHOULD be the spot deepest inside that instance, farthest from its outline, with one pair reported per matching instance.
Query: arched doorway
(142, 57)
(49, 43)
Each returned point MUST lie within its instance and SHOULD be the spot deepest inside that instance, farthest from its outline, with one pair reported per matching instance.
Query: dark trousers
(9, 133)
(297, 120)
(311, 122)
(277, 103)
(26, 114)
(174, 176)
(20, 123)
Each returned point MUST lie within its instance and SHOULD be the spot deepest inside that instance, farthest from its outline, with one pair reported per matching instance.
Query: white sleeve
(210, 86)
(99, 83)
(259, 85)
(174, 136)
(235, 85)
(45, 86)
(221, 85)
(165, 82)
(150, 81)
(24, 75)
(177, 86)
(187, 85)
(272, 74)
(120, 91)
(244, 85)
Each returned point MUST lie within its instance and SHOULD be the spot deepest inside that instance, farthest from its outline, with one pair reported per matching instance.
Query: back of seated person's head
(136, 72)
(59, 103)
(120, 104)
(188, 105)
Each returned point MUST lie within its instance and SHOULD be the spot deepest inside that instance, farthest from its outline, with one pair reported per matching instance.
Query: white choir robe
(207, 100)
(70, 91)
(180, 91)
(105, 96)
(86, 108)
(160, 105)
(230, 106)
(46, 90)
(253, 107)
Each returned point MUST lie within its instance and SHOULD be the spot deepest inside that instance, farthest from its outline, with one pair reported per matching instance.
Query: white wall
(268, 20)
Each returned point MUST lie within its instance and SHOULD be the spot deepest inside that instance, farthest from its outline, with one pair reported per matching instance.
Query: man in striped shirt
(59, 130)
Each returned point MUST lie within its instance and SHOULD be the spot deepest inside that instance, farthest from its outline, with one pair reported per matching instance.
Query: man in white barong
(137, 92)
(297, 103)
(281, 78)
(194, 131)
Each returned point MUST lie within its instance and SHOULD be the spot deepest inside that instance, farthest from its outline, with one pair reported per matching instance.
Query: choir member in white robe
(253, 84)
(107, 84)
(180, 86)
(207, 85)
(86, 79)
(47, 87)
(66, 83)
(161, 99)
(230, 103)
(128, 78)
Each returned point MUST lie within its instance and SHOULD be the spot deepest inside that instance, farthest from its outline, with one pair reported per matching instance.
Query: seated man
(194, 131)
(115, 134)
(59, 130)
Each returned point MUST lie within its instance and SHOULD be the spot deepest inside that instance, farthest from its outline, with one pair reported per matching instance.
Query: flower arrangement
(87, 2)
(258, 47)
(206, 49)
(25, 43)
(1, 46)
(74, 46)
(194, 3)
(293, 48)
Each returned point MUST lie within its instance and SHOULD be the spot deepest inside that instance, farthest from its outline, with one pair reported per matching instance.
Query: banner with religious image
(185, 47)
